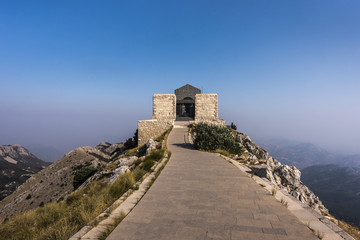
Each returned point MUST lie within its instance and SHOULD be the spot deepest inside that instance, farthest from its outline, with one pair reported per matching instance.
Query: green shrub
(156, 155)
(149, 160)
(138, 173)
(82, 175)
(212, 137)
(147, 165)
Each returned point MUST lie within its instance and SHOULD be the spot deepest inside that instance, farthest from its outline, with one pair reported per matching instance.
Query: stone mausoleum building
(187, 104)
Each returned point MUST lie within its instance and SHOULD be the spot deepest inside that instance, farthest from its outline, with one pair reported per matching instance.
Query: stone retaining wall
(152, 129)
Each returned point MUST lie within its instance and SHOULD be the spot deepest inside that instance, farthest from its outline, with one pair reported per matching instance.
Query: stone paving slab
(198, 195)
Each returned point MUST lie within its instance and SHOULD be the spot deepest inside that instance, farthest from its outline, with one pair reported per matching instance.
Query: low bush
(150, 160)
(212, 137)
(82, 174)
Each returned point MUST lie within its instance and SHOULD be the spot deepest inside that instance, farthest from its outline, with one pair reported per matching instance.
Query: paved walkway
(201, 196)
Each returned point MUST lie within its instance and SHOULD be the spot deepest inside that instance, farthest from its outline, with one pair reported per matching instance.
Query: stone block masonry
(206, 107)
(152, 129)
(164, 106)
(164, 111)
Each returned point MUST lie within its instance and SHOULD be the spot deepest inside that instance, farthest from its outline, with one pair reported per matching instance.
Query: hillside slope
(17, 164)
(339, 189)
(52, 183)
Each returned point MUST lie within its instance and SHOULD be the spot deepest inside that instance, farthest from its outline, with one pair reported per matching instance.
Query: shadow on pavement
(184, 145)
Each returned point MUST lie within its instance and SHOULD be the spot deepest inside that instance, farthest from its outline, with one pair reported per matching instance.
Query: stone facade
(206, 107)
(164, 107)
(164, 111)
(185, 102)
(152, 129)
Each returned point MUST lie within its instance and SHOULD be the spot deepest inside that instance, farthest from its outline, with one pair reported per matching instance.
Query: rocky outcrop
(123, 164)
(284, 176)
(150, 146)
(113, 150)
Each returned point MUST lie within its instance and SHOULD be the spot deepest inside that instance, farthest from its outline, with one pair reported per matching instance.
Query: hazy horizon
(77, 73)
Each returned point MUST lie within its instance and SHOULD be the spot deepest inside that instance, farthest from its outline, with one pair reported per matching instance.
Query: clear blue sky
(75, 73)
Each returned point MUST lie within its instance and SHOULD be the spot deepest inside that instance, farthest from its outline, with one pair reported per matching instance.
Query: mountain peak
(17, 165)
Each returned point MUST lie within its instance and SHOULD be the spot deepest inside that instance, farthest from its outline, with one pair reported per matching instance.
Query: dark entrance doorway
(185, 102)
(185, 109)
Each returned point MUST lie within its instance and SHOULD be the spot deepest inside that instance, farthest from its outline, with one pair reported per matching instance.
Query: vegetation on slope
(63, 219)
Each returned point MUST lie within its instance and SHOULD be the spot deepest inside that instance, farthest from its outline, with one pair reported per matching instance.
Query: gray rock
(261, 170)
(284, 176)
(115, 148)
(102, 146)
(119, 171)
(150, 146)
(127, 161)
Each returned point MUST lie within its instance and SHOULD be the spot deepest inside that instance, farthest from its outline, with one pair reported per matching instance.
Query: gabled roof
(188, 86)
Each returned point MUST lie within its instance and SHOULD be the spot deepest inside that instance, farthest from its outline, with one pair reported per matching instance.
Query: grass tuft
(273, 191)
(283, 202)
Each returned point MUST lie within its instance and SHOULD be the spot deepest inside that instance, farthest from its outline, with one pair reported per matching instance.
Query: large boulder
(113, 150)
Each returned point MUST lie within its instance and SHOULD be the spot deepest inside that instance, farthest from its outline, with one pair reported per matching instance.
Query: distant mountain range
(303, 155)
(339, 189)
(17, 164)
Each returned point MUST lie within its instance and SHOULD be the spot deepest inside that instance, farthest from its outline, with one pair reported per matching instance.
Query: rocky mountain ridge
(17, 164)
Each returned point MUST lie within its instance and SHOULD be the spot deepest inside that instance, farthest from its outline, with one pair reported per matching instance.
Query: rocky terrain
(59, 179)
(339, 189)
(284, 176)
(17, 164)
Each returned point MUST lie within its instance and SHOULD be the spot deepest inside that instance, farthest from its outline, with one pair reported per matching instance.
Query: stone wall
(206, 107)
(152, 129)
(164, 106)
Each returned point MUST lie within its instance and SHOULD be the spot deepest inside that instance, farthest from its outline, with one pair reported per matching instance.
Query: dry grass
(283, 202)
(273, 191)
(223, 152)
(353, 231)
(316, 232)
